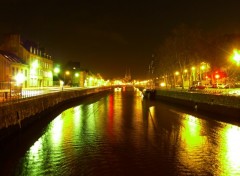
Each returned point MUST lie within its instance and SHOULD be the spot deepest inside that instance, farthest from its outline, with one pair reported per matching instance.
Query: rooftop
(12, 57)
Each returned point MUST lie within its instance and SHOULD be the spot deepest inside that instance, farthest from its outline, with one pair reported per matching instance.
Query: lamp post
(67, 73)
(19, 81)
(202, 71)
(217, 76)
(76, 79)
(175, 80)
(186, 75)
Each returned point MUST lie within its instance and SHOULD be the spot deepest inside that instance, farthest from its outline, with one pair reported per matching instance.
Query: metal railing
(10, 92)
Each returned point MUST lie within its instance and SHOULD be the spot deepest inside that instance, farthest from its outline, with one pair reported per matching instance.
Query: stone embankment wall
(15, 113)
(221, 105)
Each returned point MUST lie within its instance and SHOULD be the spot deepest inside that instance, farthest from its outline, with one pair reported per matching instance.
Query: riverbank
(220, 105)
(19, 115)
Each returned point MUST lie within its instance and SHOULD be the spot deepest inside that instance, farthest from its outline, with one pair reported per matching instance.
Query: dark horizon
(110, 37)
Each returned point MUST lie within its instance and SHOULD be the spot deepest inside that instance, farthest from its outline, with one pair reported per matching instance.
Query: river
(123, 134)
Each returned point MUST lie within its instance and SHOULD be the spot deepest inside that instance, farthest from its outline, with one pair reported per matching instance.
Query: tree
(179, 50)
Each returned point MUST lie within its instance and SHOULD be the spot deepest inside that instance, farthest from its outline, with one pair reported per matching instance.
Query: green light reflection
(56, 130)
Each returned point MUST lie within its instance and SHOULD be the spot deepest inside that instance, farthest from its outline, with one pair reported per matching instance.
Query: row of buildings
(24, 62)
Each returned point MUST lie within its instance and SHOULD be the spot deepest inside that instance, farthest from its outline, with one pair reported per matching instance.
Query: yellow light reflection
(118, 110)
(151, 122)
(137, 115)
(191, 133)
(56, 130)
(233, 144)
(230, 150)
(193, 143)
(152, 111)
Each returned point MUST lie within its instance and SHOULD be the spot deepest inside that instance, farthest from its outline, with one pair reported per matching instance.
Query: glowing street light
(19, 78)
(67, 72)
(175, 79)
(203, 67)
(236, 56)
(217, 76)
(56, 70)
(35, 64)
(76, 74)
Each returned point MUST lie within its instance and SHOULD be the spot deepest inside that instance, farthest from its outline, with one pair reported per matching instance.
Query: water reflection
(193, 145)
(122, 134)
(230, 150)
(56, 131)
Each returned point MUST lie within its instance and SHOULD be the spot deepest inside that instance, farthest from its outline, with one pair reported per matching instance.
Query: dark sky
(110, 36)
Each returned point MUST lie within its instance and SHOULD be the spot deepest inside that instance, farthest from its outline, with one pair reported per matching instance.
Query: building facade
(12, 70)
(39, 63)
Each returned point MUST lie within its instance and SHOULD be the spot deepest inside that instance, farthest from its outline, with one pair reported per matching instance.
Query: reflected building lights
(193, 143)
(92, 114)
(230, 150)
(34, 150)
(56, 130)
(77, 114)
(233, 144)
(191, 133)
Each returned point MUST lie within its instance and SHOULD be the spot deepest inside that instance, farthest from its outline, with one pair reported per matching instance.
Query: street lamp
(56, 70)
(202, 69)
(67, 73)
(193, 73)
(217, 76)
(175, 80)
(236, 56)
(19, 79)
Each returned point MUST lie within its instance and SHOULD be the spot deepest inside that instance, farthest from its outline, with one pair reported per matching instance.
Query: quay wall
(223, 106)
(14, 115)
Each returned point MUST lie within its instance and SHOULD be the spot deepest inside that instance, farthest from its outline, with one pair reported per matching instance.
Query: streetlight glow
(56, 70)
(236, 56)
(35, 64)
(19, 78)
(67, 72)
(76, 74)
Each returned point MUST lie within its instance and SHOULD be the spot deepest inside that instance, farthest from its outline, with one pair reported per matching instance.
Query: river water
(123, 134)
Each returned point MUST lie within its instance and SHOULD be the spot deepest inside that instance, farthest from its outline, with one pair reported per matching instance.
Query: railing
(13, 94)
(8, 97)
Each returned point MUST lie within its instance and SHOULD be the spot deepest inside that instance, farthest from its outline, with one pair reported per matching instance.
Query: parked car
(214, 86)
(221, 86)
(229, 85)
(200, 87)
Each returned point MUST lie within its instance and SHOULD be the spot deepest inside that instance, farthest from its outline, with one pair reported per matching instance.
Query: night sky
(109, 37)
